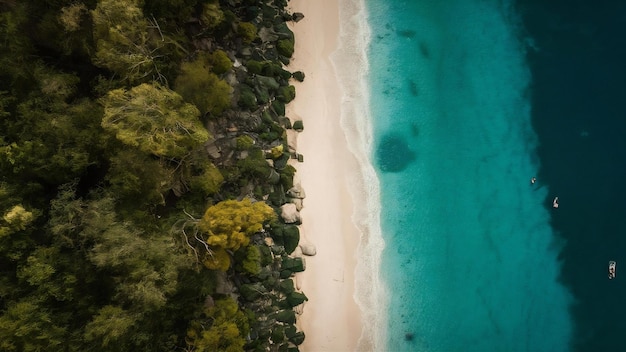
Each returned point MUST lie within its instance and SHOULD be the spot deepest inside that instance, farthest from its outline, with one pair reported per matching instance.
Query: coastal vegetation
(144, 174)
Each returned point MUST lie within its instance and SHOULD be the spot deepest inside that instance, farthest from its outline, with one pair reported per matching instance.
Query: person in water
(533, 180)
(555, 202)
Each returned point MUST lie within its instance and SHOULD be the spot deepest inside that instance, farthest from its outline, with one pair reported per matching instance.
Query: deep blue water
(579, 114)
(469, 99)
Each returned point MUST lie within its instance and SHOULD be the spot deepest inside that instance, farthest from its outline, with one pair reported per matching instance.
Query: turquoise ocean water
(459, 251)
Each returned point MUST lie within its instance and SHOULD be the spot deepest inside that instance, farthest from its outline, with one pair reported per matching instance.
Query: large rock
(296, 192)
(290, 213)
(297, 16)
(297, 202)
(267, 35)
(308, 249)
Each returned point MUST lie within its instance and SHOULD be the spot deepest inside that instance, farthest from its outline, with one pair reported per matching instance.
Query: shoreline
(331, 319)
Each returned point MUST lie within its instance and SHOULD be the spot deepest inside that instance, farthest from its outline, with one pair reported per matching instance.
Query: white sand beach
(331, 318)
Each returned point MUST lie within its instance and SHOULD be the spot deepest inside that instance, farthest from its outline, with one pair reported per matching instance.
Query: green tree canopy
(26, 326)
(154, 119)
(203, 88)
(124, 45)
(223, 329)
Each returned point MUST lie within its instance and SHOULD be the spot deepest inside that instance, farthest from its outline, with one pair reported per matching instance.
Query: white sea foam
(352, 68)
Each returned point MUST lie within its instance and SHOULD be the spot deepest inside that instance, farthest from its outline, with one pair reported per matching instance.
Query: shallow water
(470, 258)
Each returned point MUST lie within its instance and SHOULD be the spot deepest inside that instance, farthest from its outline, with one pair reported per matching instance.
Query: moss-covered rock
(277, 197)
(298, 76)
(274, 177)
(281, 162)
(296, 298)
(291, 238)
(247, 98)
(298, 125)
(219, 61)
(272, 280)
(290, 331)
(244, 142)
(268, 82)
(251, 292)
(285, 274)
(254, 67)
(293, 264)
(287, 316)
(278, 107)
(262, 95)
(286, 286)
(278, 334)
(285, 47)
(247, 31)
(283, 31)
(284, 122)
(298, 338)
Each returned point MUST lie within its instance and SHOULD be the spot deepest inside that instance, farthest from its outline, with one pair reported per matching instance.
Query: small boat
(612, 270)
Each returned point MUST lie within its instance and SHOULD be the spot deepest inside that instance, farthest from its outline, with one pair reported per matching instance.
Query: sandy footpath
(331, 319)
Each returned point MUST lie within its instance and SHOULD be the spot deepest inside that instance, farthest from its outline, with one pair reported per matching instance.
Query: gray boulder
(297, 16)
(308, 249)
(296, 192)
(290, 213)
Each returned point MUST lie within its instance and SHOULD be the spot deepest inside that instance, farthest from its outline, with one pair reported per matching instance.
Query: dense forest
(143, 164)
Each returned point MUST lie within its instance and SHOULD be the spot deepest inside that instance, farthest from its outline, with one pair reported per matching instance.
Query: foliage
(16, 219)
(135, 177)
(276, 151)
(247, 31)
(103, 168)
(178, 9)
(251, 264)
(212, 15)
(298, 125)
(254, 166)
(203, 88)
(16, 46)
(299, 76)
(223, 328)
(71, 16)
(153, 119)
(109, 324)
(286, 94)
(209, 179)
(230, 223)
(247, 99)
(219, 61)
(244, 142)
(285, 47)
(48, 138)
(123, 43)
(25, 326)
(254, 67)
(218, 259)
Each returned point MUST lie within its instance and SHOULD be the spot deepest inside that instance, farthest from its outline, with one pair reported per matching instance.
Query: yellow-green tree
(154, 119)
(229, 224)
(123, 43)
